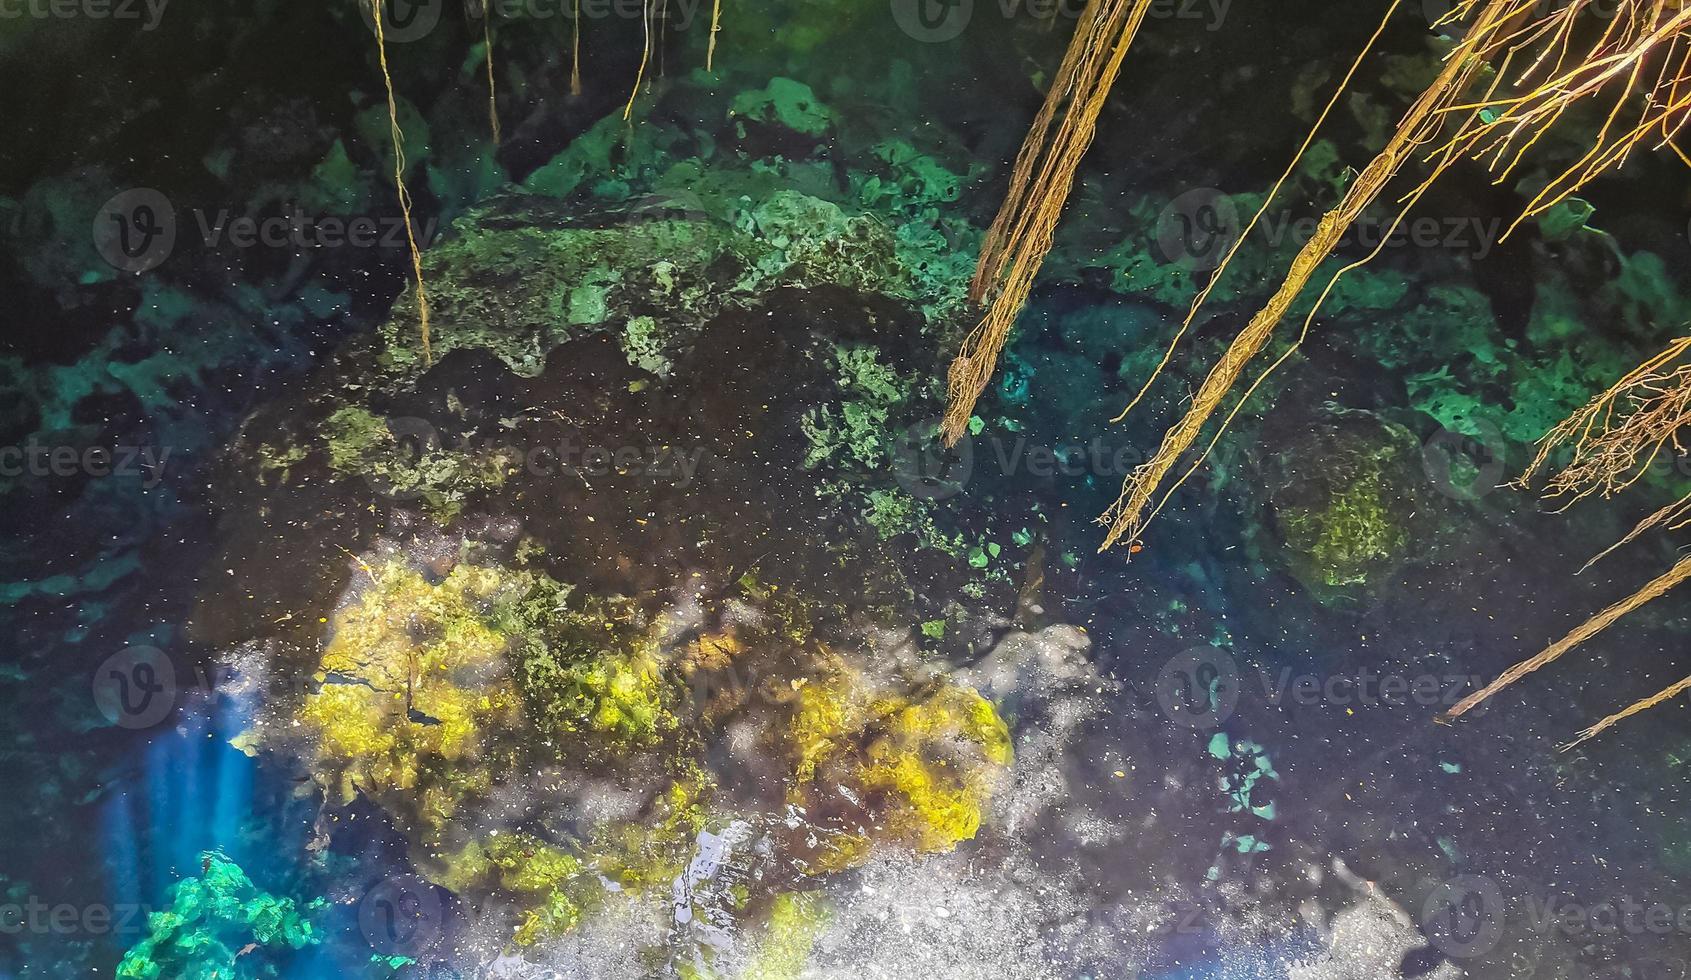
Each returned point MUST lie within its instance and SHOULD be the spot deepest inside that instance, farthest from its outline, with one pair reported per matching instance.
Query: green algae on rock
(437, 686)
(415, 692)
(1343, 500)
(916, 769)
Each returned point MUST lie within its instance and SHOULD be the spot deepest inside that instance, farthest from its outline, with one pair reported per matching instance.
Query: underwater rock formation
(220, 925)
(1342, 500)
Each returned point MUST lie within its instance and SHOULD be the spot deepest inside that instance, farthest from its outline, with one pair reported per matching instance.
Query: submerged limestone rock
(442, 692)
(523, 275)
(414, 692)
(1343, 499)
(915, 769)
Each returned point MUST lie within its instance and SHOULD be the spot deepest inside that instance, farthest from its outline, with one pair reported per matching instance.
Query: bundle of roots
(1517, 69)
(1613, 441)
(1021, 234)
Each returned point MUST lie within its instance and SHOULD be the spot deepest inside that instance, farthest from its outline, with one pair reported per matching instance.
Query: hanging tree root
(492, 87)
(715, 27)
(1618, 434)
(575, 52)
(645, 57)
(1665, 694)
(1586, 630)
(1016, 244)
(398, 137)
(1127, 517)
(1614, 438)
(1493, 128)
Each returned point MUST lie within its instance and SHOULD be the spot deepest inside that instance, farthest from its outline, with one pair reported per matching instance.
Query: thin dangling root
(715, 26)
(1665, 694)
(645, 56)
(1021, 234)
(575, 53)
(1655, 589)
(1274, 192)
(492, 88)
(398, 137)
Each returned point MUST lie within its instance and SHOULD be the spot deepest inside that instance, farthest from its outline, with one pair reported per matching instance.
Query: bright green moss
(858, 431)
(414, 689)
(1344, 497)
(596, 672)
(219, 926)
(790, 935)
(556, 886)
(1353, 535)
(787, 103)
(354, 435)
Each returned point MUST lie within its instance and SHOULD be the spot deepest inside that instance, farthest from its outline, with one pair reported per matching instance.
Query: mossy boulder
(449, 690)
(415, 698)
(1343, 495)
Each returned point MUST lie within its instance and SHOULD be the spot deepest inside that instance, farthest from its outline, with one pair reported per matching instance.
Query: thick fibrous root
(1126, 518)
(1021, 234)
(1618, 434)
(1566, 66)
(1586, 630)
